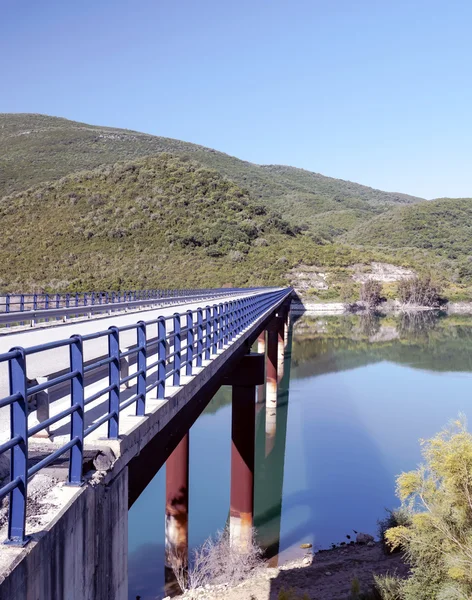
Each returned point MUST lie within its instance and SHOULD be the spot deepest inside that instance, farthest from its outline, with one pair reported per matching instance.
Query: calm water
(356, 397)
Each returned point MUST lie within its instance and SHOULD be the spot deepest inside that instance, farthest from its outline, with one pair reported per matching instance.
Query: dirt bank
(326, 575)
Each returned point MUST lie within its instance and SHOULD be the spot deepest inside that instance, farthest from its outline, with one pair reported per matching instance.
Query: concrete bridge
(97, 407)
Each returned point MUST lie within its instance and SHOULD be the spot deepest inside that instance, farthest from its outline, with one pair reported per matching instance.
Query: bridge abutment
(82, 555)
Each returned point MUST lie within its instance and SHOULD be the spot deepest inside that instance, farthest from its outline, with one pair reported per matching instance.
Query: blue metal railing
(205, 331)
(25, 302)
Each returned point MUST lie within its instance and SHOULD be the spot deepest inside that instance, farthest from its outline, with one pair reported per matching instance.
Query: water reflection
(357, 394)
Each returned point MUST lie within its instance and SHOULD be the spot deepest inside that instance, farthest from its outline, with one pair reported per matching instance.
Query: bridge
(95, 407)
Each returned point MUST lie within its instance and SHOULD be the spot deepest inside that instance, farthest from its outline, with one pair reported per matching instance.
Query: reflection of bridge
(126, 406)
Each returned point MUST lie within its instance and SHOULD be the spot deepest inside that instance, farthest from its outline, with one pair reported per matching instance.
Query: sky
(373, 91)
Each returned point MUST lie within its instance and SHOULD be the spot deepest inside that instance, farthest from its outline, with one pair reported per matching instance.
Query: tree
(371, 293)
(438, 539)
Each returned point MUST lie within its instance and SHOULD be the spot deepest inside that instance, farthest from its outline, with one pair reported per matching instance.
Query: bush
(218, 561)
(394, 518)
(421, 291)
(291, 594)
(389, 587)
(438, 539)
(371, 293)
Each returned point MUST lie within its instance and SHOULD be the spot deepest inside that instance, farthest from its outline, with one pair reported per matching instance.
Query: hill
(157, 221)
(38, 148)
(440, 229)
(444, 226)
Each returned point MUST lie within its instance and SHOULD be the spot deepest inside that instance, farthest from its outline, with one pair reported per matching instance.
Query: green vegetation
(291, 594)
(438, 538)
(156, 221)
(436, 232)
(124, 218)
(38, 148)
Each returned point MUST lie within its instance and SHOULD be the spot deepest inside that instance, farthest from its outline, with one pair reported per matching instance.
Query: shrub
(218, 561)
(394, 518)
(421, 291)
(291, 594)
(389, 587)
(371, 293)
(438, 539)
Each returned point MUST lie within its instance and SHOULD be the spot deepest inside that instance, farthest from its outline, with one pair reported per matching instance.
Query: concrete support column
(245, 378)
(271, 385)
(176, 526)
(242, 465)
(281, 348)
(261, 349)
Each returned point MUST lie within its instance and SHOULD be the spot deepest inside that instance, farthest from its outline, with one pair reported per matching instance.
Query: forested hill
(160, 221)
(37, 148)
(444, 226)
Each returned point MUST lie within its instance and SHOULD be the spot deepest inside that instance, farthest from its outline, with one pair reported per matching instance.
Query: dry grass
(217, 562)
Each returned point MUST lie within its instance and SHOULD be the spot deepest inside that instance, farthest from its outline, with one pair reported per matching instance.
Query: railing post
(226, 321)
(208, 333)
(46, 301)
(240, 315)
(85, 299)
(58, 301)
(7, 303)
(220, 325)
(114, 380)
(76, 300)
(190, 341)
(214, 345)
(199, 337)
(35, 301)
(19, 452)
(142, 367)
(161, 357)
(177, 350)
(77, 417)
(67, 300)
(22, 302)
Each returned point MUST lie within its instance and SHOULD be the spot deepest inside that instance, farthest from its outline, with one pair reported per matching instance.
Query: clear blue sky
(375, 91)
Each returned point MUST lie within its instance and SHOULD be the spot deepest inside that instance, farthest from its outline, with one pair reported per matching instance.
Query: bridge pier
(275, 353)
(261, 389)
(176, 524)
(245, 378)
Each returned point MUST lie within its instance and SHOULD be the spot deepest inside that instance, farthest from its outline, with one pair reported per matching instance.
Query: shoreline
(339, 308)
(324, 575)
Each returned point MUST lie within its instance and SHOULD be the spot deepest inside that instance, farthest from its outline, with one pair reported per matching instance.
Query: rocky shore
(324, 575)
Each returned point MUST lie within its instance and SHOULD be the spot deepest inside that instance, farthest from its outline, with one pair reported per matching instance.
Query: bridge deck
(55, 360)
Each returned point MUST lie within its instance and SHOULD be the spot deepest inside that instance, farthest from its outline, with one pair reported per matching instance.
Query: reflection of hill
(221, 398)
(421, 340)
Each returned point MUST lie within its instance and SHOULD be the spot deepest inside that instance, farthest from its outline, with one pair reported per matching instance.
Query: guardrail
(205, 331)
(27, 302)
(24, 315)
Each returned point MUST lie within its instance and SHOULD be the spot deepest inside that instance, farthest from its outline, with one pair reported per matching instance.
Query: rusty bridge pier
(176, 519)
(274, 366)
(244, 379)
(261, 389)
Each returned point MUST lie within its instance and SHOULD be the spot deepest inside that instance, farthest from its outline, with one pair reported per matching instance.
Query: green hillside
(443, 226)
(38, 148)
(157, 221)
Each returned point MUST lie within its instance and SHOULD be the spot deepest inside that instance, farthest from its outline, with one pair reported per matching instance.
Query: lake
(358, 393)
